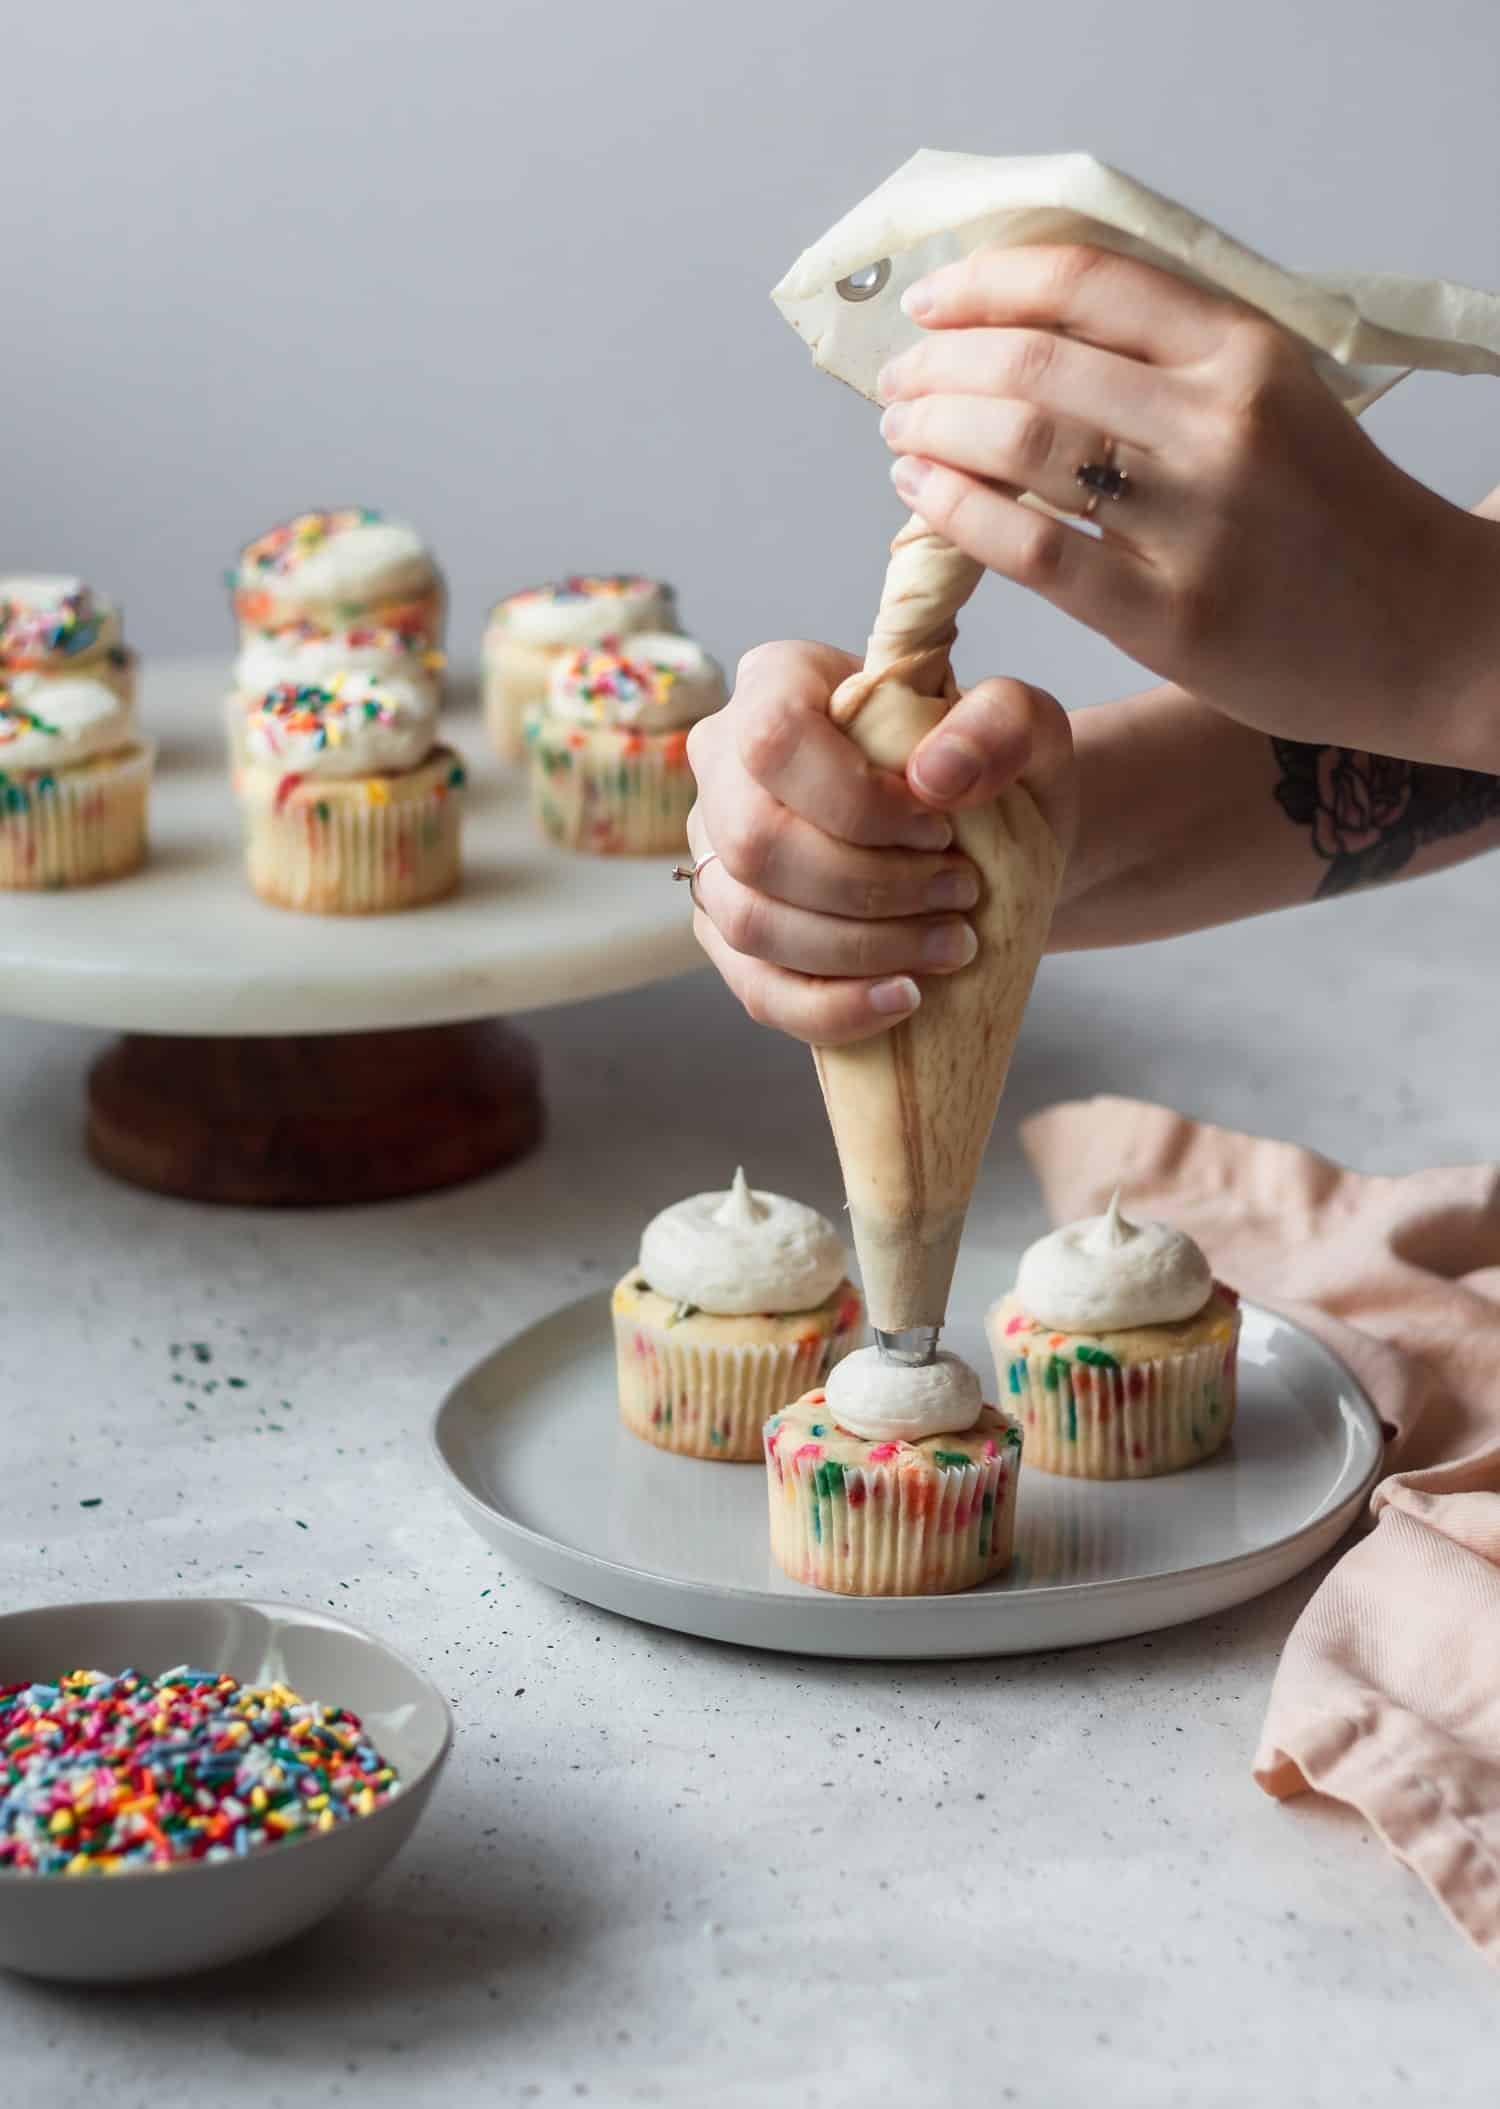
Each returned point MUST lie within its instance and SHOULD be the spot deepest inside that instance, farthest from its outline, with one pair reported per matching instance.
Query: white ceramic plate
(533, 1452)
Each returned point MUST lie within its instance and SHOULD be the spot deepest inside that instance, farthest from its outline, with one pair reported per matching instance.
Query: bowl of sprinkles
(184, 1783)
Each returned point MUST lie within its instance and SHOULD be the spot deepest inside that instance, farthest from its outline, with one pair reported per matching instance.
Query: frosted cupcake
(74, 781)
(893, 1481)
(740, 1302)
(1117, 1349)
(608, 751)
(305, 656)
(351, 808)
(334, 569)
(528, 633)
(51, 627)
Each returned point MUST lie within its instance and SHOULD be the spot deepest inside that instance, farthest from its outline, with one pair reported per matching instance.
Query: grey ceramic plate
(533, 1453)
(158, 1922)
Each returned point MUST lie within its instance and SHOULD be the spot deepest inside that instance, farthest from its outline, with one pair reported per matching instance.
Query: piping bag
(911, 1111)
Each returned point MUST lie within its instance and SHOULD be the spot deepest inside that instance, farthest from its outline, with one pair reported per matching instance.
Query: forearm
(1190, 820)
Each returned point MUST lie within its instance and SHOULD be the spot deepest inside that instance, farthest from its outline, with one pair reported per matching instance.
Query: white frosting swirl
(740, 1253)
(348, 559)
(51, 723)
(1106, 1273)
(654, 683)
(308, 654)
(53, 622)
(348, 725)
(586, 611)
(893, 1402)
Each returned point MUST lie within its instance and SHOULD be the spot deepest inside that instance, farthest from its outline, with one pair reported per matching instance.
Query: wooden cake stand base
(314, 1120)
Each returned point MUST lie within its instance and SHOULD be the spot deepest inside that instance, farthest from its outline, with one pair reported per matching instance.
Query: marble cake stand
(273, 1058)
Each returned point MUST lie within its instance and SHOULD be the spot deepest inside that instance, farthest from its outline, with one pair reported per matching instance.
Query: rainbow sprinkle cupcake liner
(74, 826)
(610, 792)
(353, 845)
(1089, 1415)
(702, 1386)
(890, 1519)
(513, 684)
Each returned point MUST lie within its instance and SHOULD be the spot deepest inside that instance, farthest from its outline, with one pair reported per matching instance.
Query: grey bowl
(160, 1922)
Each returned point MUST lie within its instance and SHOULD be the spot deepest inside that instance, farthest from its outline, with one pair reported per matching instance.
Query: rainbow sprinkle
(322, 711)
(16, 719)
(99, 1773)
(281, 549)
(68, 625)
(616, 687)
(581, 585)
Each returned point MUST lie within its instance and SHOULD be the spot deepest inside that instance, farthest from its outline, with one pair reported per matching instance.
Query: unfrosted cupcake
(74, 781)
(54, 627)
(608, 750)
(739, 1302)
(529, 632)
(892, 1480)
(1117, 1349)
(351, 808)
(303, 655)
(334, 569)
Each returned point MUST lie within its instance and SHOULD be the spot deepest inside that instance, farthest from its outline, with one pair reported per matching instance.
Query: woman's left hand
(1264, 554)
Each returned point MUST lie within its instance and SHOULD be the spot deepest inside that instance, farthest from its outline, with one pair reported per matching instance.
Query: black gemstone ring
(1101, 479)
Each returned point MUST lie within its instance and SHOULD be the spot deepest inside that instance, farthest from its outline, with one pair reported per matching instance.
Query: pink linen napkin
(1388, 1693)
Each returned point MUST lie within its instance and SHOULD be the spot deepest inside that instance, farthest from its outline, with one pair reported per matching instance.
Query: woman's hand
(1265, 555)
(834, 882)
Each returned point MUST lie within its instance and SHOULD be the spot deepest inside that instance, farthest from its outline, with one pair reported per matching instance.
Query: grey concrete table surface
(662, 1871)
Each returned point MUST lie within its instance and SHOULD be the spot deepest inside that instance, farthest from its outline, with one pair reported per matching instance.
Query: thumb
(991, 736)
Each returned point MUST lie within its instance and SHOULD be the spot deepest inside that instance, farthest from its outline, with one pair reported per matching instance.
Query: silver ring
(1101, 479)
(692, 873)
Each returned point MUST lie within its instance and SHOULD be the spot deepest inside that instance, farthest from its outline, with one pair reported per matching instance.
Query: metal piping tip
(913, 1346)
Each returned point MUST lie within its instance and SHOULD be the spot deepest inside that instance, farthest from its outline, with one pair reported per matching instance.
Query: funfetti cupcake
(74, 781)
(51, 627)
(303, 655)
(527, 633)
(893, 1481)
(740, 1301)
(608, 749)
(1117, 1349)
(350, 805)
(334, 569)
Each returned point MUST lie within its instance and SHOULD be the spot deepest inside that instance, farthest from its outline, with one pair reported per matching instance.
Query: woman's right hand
(834, 882)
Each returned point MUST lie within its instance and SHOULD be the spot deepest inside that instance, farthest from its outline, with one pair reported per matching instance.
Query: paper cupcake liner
(354, 846)
(609, 792)
(513, 684)
(1132, 1421)
(73, 827)
(701, 1399)
(884, 1530)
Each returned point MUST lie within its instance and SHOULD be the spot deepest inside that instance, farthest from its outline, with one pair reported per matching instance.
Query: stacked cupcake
(608, 748)
(529, 632)
(74, 775)
(350, 799)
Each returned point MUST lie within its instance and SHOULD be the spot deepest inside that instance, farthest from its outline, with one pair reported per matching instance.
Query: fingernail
(895, 999)
(949, 945)
(909, 474)
(892, 421)
(953, 889)
(947, 768)
(928, 831)
(917, 301)
(888, 380)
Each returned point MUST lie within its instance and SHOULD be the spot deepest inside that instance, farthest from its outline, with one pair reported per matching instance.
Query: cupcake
(303, 655)
(893, 1480)
(739, 1303)
(530, 631)
(73, 783)
(334, 569)
(608, 750)
(1117, 1349)
(351, 807)
(51, 627)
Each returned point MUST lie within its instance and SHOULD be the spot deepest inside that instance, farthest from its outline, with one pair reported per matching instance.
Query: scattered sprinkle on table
(101, 1772)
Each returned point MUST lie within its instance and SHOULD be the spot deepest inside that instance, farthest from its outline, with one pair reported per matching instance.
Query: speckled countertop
(662, 1871)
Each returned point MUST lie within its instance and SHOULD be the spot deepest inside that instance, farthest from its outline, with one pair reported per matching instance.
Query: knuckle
(1067, 269)
(1041, 548)
(741, 921)
(756, 1003)
(755, 662)
(1027, 360)
(769, 737)
(700, 745)
(746, 841)
(1036, 440)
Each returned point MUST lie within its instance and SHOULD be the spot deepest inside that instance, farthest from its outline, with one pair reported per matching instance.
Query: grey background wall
(503, 267)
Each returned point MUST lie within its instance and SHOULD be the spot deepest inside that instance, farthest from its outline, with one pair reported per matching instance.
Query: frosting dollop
(894, 1402)
(586, 609)
(305, 652)
(742, 1252)
(1106, 1273)
(49, 724)
(350, 558)
(348, 725)
(653, 683)
(53, 622)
